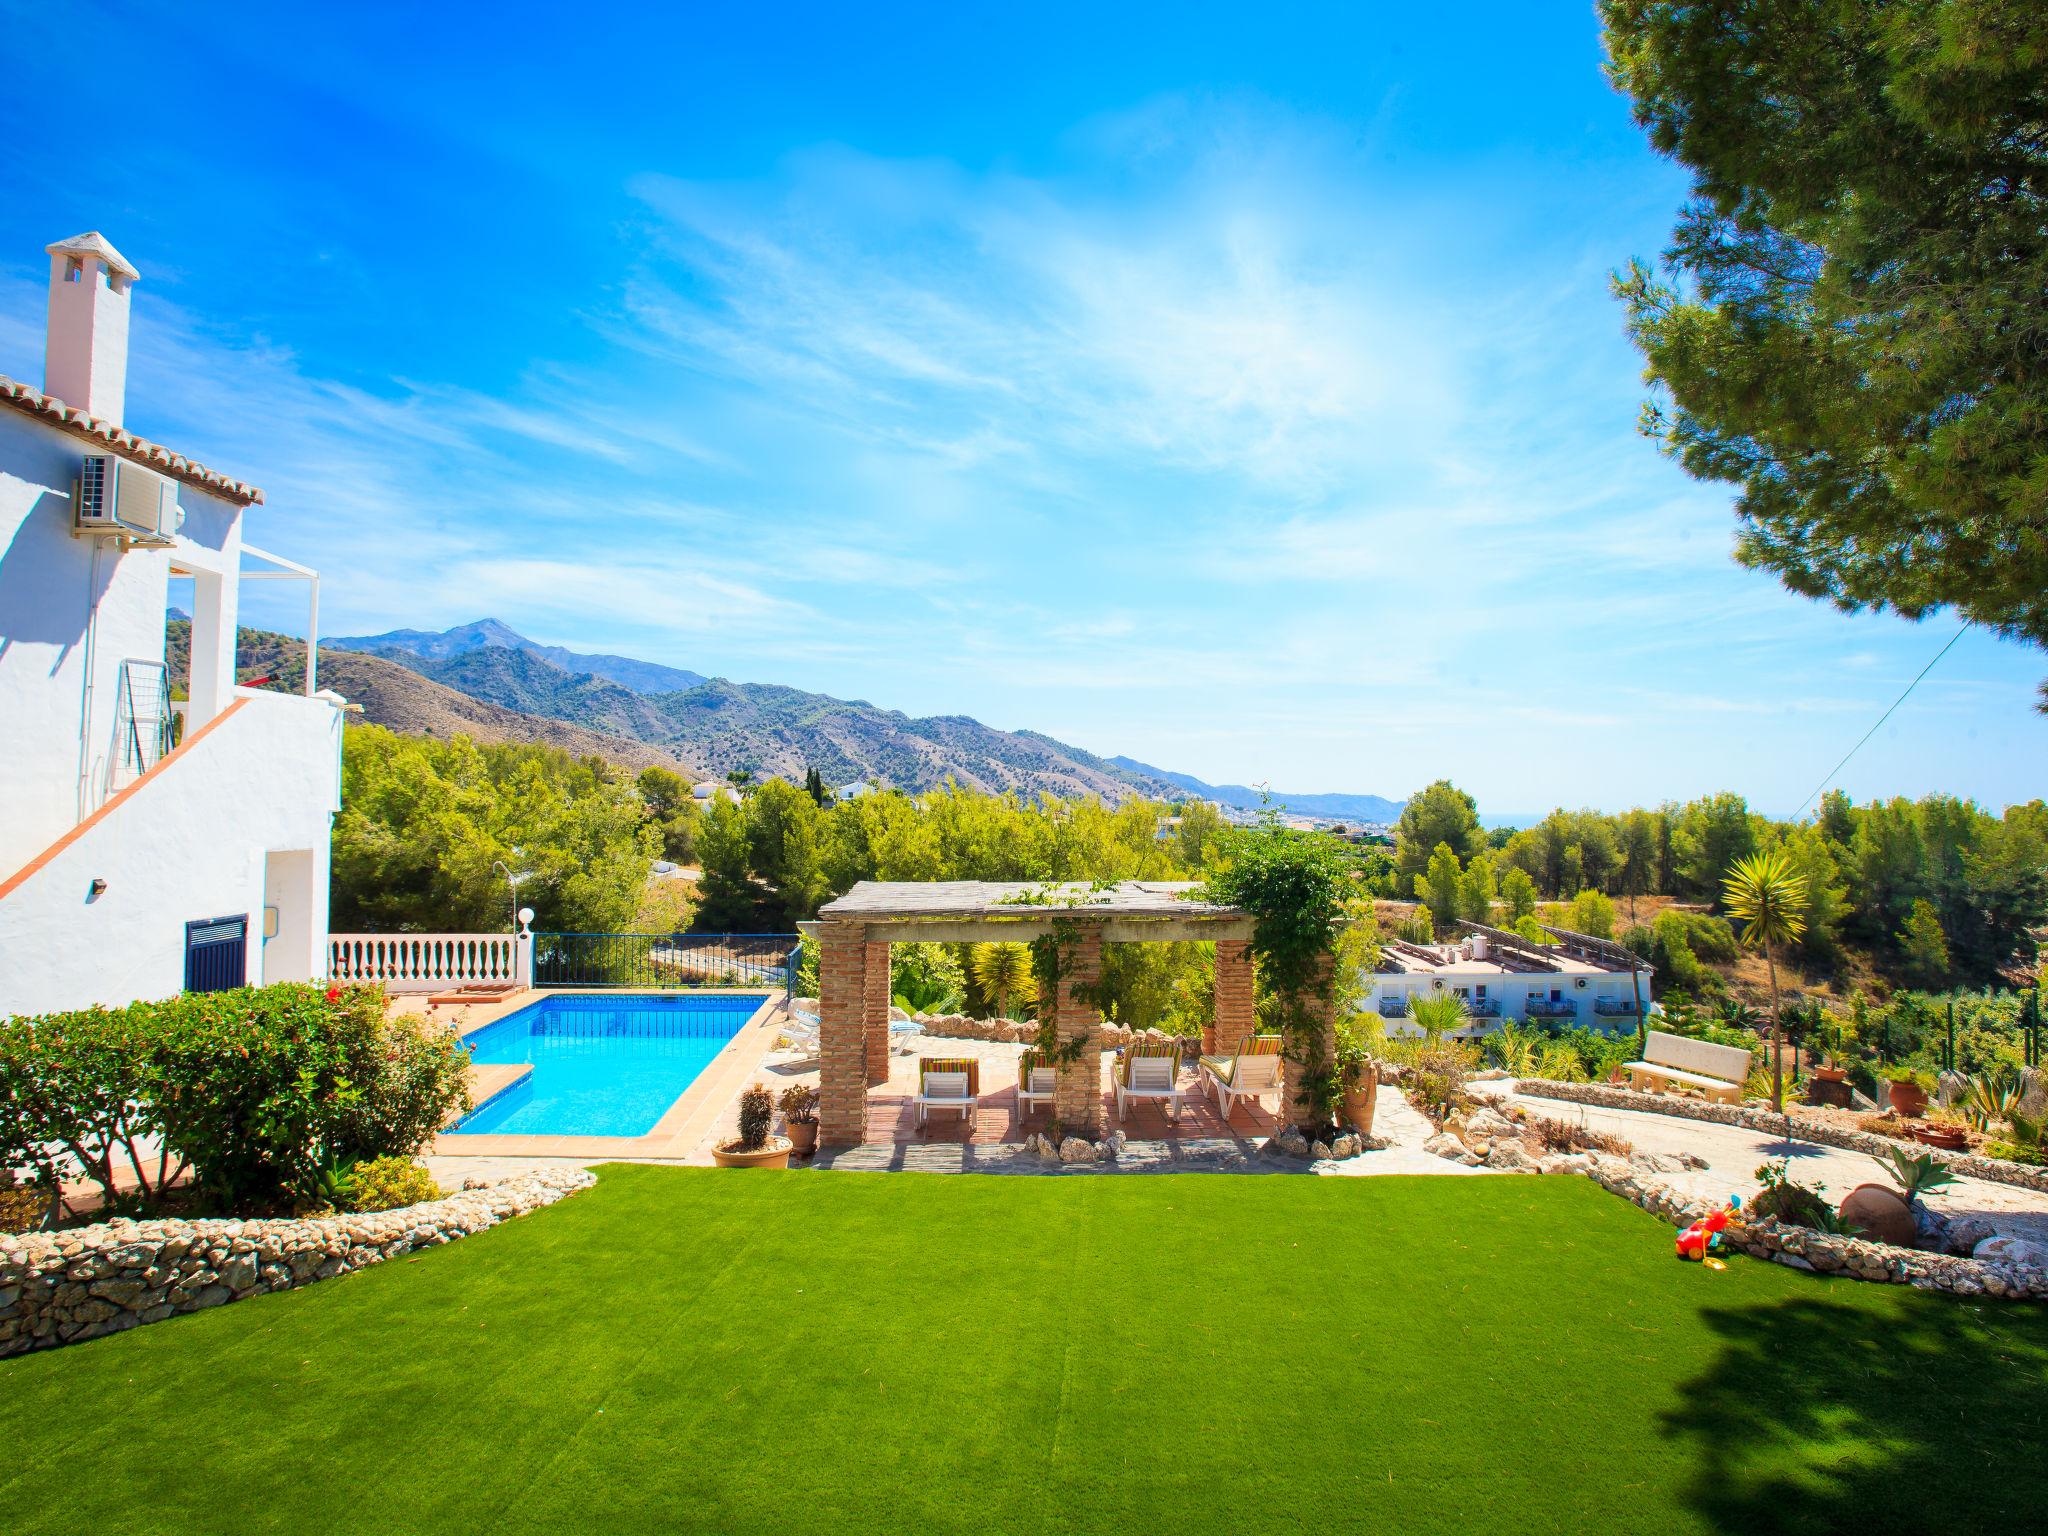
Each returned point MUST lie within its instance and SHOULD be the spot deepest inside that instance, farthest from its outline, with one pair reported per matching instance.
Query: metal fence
(665, 960)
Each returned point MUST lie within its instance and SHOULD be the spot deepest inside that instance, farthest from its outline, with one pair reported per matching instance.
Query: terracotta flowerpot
(803, 1136)
(1907, 1098)
(1830, 1074)
(1882, 1214)
(1359, 1103)
(1949, 1138)
(774, 1155)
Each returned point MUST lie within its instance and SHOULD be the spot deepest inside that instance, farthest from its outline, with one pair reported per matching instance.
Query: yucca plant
(1768, 897)
(1002, 972)
(1438, 1014)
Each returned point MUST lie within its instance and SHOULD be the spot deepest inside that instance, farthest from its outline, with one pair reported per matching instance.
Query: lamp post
(512, 883)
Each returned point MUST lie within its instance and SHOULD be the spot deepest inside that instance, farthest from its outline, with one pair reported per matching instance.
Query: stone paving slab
(1733, 1154)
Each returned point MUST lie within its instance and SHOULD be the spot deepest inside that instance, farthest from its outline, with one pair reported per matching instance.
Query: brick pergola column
(875, 1013)
(842, 1039)
(1077, 1090)
(1234, 1016)
(1321, 1047)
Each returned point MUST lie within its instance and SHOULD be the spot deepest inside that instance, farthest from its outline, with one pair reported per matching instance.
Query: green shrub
(75, 1100)
(262, 1092)
(386, 1183)
(1436, 1079)
(410, 1075)
(1794, 1204)
(22, 1206)
(255, 1083)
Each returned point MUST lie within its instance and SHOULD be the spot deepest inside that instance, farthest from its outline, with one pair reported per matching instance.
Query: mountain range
(490, 681)
(640, 676)
(1246, 797)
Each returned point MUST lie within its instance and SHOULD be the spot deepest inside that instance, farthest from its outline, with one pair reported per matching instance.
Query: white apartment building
(146, 845)
(1574, 979)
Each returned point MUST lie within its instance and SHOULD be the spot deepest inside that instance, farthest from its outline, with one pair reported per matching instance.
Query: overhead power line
(1823, 784)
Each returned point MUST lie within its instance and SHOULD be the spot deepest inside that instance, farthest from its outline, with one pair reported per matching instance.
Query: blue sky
(1235, 388)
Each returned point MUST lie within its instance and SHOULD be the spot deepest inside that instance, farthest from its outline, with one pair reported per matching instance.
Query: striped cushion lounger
(1254, 1069)
(947, 1083)
(1148, 1071)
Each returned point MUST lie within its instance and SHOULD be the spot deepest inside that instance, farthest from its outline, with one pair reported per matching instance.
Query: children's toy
(1704, 1237)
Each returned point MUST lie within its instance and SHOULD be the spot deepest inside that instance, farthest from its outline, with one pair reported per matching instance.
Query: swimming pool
(602, 1066)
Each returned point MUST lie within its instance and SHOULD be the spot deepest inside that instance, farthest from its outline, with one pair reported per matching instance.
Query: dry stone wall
(1801, 1248)
(61, 1287)
(1748, 1118)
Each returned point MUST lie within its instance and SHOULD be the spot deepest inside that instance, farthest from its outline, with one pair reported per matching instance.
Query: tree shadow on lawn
(1919, 1413)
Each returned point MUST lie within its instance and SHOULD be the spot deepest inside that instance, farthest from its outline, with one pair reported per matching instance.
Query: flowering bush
(260, 1092)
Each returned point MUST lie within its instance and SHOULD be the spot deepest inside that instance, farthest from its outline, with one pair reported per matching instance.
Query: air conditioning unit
(117, 497)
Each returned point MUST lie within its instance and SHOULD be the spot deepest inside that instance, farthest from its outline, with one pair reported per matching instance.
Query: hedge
(266, 1096)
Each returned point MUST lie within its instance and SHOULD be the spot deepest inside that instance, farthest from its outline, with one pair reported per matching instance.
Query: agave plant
(1915, 1174)
(1990, 1097)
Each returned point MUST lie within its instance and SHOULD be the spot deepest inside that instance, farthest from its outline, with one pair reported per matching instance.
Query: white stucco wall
(191, 842)
(1513, 992)
(71, 611)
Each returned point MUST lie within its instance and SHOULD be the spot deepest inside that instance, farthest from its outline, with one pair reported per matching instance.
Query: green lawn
(834, 1353)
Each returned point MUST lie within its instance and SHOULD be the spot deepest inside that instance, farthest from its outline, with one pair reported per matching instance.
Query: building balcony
(1545, 1008)
(1615, 1007)
(1483, 1007)
(1393, 1007)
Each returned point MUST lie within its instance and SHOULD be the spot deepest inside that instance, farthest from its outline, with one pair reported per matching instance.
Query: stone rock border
(1800, 1248)
(1969, 1165)
(62, 1287)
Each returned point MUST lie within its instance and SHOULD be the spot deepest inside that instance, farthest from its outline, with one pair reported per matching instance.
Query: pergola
(855, 932)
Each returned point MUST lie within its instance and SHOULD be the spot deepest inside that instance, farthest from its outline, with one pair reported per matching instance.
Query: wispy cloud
(1210, 442)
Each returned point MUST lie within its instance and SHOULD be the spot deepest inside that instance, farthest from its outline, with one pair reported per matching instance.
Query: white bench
(1718, 1071)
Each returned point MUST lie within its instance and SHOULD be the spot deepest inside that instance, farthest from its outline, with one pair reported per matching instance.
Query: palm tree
(1438, 1014)
(1768, 897)
(1002, 971)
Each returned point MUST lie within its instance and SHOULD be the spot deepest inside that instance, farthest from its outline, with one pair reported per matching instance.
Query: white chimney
(85, 358)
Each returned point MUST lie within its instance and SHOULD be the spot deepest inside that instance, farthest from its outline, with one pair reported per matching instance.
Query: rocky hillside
(767, 730)
(640, 676)
(394, 696)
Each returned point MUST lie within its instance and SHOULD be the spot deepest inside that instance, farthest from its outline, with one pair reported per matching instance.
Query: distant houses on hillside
(1575, 979)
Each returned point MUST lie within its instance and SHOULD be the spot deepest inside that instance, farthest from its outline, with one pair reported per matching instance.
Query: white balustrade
(429, 962)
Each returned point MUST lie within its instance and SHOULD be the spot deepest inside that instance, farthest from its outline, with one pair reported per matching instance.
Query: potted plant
(754, 1147)
(1907, 1090)
(1358, 1074)
(799, 1105)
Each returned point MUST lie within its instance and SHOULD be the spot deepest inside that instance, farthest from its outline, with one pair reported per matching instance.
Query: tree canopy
(1851, 325)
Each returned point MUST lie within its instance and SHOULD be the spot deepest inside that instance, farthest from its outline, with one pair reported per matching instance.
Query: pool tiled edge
(682, 1126)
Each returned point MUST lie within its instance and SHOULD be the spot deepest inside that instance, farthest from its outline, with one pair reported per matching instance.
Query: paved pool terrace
(682, 1127)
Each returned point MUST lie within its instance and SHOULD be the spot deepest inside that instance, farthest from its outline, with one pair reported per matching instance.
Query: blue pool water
(602, 1066)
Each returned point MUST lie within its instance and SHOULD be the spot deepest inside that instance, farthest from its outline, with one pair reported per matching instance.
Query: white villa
(1575, 979)
(147, 845)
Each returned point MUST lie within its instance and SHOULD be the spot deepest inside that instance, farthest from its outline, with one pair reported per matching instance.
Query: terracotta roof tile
(34, 402)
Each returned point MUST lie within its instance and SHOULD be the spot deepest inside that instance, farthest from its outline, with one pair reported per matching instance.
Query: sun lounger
(1148, 1071)
(947, 1083)
(1253, 1069)
(1035, 1081)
